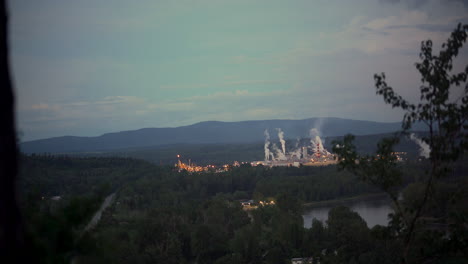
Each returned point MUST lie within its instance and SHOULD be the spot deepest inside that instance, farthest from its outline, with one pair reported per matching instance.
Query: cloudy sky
(92, 66)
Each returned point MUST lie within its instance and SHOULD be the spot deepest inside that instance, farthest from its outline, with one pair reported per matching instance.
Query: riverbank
(362, 197)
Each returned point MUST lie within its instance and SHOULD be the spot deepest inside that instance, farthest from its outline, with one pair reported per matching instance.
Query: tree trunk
(12, 249)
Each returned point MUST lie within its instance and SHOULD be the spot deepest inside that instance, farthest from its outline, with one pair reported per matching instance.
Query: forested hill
(204, 154)
(207, 132)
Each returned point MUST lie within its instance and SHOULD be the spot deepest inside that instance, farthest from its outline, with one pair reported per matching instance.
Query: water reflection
(374, 212)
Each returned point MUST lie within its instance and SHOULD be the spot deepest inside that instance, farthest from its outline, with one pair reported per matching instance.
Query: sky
(89, 67)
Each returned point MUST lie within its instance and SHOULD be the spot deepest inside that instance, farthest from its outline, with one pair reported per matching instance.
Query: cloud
(398, 32)
(419, 3)
(409, 3)
(47, 18)
(129, 112)
(42, 106)
(88, 68)
(117, 113)
(50, 79)
(220, 84)
(107, 107)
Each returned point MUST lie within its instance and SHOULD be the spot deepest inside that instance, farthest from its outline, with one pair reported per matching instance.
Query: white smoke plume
(318, 124)
(316, 141)
(304, 153)
(267, 144)
(314, 134)
(319, 144)
(281, 139)
(279, 154)
(297, 152)
(424, 148)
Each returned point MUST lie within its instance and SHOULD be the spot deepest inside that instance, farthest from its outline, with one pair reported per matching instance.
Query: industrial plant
(310, 153)
(191, 167)
(304, 152)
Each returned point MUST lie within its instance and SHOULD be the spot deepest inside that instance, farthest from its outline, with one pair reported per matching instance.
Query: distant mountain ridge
(208, 132)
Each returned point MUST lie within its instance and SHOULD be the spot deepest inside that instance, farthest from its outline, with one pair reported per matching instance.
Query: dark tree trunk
(11, 234)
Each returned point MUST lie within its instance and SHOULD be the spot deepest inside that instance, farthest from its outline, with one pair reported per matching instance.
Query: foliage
(446, 121)
(161, 215)
(58, 196)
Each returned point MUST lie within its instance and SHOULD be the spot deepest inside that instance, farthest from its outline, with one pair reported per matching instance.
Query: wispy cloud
(418, 3)
(220, 84)
(87, 67)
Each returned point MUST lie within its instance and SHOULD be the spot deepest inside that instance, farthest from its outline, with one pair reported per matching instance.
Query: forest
(162, 215)
(223, 153)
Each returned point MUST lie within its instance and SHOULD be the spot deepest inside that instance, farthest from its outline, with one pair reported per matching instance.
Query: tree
(12, 243)
(316, 238)
(348, 232)
(446, 119)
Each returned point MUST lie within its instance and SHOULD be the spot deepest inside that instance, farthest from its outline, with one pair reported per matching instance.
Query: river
(374, 211)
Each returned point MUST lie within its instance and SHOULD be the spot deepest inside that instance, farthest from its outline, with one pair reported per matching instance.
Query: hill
(218, 154)
(210, 132)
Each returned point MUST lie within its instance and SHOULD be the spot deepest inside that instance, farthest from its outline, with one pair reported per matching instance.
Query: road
(98, 214)
(94, 221)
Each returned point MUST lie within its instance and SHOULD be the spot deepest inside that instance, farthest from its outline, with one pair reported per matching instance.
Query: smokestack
(424, 148)
(267, 144)
(319, 144)
(281, 139)
(313, 133)
(316, 142)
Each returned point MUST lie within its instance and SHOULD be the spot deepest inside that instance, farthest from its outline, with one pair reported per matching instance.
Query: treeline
(201, 154)
(219, 231)
(204, 154)
(49, 175)
(174, 217)
(311, 184)
(163, 216)
(59, 195)
(308, 184)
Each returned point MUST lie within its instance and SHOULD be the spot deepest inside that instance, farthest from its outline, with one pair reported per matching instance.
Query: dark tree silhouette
(447, 124)
(11, 235)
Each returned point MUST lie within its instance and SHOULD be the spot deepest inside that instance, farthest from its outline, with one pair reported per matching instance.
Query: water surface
(374, 211)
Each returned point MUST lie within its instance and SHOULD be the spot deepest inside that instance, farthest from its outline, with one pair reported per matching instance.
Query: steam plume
(319, 144)
(280, 155)
(316, 141)
(318, 124)
(424, 148)
(297, 150)
(267, 144)
(314, 135)
(281, 139)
